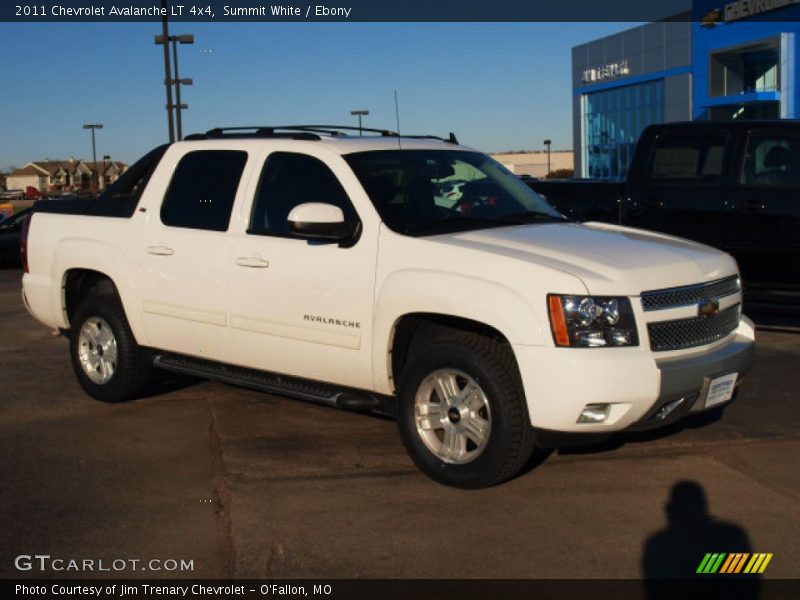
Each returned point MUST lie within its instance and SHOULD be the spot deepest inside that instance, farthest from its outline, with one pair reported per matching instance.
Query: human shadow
(677, 551)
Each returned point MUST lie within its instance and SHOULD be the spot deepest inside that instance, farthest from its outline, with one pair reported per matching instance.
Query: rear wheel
(108, 362)
(463, 416)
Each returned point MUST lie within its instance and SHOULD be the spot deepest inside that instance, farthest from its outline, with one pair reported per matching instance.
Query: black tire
(133, 365)
(491, 365)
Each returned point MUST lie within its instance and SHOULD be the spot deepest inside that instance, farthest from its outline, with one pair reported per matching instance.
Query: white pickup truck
(335, 268)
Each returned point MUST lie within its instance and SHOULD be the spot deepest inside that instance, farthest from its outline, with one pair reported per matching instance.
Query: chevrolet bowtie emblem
(711, 18)
(708, 308)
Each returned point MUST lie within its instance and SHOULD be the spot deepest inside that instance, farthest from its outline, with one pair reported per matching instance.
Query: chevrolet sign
(750, 8)
(609, 71)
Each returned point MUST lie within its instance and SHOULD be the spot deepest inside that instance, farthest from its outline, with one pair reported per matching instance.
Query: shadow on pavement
(677, 551)
(618, 440)
(164, 382)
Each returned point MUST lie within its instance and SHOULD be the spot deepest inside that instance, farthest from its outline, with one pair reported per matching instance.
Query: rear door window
(202, 190)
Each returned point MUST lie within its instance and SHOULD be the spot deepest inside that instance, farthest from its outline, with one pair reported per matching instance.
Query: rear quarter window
(688, 158)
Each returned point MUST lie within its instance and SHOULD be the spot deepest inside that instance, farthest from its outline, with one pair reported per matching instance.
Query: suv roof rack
(302, 132)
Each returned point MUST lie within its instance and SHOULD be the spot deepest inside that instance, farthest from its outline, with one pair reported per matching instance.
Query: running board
(310, 391)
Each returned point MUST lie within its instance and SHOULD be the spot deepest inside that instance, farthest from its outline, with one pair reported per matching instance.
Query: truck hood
(609, 259)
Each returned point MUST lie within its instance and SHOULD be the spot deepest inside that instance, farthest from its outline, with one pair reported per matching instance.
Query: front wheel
(462, 412)
(107, 361)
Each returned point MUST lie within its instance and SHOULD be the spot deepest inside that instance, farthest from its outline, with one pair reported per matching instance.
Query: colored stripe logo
(734, 563)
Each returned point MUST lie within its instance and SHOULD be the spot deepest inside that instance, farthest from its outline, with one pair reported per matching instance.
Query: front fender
(457, 295)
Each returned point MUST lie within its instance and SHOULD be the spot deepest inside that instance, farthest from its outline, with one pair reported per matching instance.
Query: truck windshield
(428, 192)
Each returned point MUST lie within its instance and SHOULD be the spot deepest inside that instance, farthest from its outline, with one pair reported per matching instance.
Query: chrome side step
(310, 391)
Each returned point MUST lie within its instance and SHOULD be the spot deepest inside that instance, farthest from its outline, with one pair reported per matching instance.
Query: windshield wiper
(454, 224)
(530, 216)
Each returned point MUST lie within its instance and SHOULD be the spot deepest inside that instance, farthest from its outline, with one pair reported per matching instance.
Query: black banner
(730, 588)
(346, 11)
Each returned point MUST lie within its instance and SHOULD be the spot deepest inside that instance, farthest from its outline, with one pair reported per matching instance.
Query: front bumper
(689, 379)
(637, 384)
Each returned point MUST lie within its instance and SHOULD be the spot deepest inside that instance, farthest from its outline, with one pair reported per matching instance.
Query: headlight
(591, 321)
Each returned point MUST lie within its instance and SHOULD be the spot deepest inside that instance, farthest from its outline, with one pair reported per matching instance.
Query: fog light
(594, 413)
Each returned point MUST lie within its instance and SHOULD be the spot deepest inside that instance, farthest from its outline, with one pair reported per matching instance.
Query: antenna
(397, 117)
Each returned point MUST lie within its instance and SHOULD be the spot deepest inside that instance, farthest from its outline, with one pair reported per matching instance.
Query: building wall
(679, 54)
(535, 163)
(656, 52)
(781, 24)
(21, 182)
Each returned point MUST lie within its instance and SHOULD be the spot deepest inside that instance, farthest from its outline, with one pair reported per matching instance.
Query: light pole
(177, 81)
(94, 126)
(167, 75)
(359, 114)
(547, 143)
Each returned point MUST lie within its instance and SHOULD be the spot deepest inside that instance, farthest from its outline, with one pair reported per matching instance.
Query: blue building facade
(720, 61)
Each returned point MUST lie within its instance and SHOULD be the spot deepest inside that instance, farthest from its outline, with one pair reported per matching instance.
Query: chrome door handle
(160, 250)
(254, 262)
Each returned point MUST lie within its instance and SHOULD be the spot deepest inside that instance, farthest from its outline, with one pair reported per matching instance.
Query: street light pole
(164, 39)
(359, 114)
(167, 74)
(547, 143)
(94, 126)
(182, 39)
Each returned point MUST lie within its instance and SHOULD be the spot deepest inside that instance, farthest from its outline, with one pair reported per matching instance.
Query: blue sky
(498, 86)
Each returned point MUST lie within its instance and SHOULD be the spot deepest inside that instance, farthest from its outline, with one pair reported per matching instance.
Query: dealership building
(719, 61)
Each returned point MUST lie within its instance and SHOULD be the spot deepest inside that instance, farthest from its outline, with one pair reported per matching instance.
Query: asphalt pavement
(246, 484)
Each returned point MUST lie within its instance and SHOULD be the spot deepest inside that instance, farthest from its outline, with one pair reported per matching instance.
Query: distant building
(535, 163)
(724, 60)
(64, 175)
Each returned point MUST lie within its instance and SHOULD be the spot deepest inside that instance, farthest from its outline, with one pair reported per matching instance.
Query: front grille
(697, 331)
(690, 294)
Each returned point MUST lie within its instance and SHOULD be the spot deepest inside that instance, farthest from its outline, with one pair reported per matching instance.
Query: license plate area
(720, 389)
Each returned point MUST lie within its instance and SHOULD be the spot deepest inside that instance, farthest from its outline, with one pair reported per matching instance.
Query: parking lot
(251, 485)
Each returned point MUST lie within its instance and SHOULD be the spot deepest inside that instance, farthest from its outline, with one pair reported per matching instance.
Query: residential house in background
(73, 175)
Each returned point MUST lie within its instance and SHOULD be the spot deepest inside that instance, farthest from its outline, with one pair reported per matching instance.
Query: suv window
(771, 161)
(287, 180)
(429, 192)
(688, 158)
(202, 190)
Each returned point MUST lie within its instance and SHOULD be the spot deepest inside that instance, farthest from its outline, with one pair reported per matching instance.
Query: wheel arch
(453, 300)
(413, 331)
(79, 283)
(97, 268)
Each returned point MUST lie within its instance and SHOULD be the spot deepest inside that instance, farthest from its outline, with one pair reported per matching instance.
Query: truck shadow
(164, 382)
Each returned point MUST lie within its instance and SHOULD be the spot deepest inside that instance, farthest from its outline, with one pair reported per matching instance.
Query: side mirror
(319, 221)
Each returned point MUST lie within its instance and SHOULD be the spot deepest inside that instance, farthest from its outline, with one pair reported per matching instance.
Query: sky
(498, 86)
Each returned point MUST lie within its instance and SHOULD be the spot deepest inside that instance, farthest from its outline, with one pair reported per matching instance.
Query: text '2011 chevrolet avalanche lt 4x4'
(334, 268)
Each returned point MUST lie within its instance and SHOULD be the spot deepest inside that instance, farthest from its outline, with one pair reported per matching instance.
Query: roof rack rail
(451, 139)
(302, 132)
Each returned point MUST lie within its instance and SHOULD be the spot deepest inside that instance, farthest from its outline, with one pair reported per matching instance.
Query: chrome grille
(696, 331)
(690, 294)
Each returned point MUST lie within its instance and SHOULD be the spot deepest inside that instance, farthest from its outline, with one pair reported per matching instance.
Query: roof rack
(302, 132)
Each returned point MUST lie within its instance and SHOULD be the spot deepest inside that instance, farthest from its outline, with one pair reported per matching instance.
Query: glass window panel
(202, 190)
